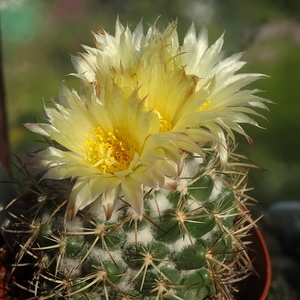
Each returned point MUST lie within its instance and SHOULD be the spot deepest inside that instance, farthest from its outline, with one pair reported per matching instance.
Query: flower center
(165, 125)
(107, 152)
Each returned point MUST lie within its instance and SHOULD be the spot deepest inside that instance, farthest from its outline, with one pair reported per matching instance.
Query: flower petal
(133, 193)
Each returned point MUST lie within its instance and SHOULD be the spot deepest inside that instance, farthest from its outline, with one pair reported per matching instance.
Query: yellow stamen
(107, 152)
(205, 106)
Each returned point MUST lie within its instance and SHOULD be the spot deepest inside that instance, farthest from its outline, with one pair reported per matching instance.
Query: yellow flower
(109, 143)
(190, 89)
(144, 98)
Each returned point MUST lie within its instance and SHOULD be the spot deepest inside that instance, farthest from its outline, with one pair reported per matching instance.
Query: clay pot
(256, 286)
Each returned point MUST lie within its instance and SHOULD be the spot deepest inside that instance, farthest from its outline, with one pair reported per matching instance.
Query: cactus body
(187, 244)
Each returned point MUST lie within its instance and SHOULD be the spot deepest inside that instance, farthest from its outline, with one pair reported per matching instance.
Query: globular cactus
(143, 196)
(188, 244)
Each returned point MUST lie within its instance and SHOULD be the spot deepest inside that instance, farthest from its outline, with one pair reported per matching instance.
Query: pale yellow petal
(133, 193)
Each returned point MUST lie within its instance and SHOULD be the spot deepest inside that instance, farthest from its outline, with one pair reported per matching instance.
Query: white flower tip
(108, 209)
(37, 128)
(72, 213)
(108, 202)
(170, 184)
(138, 207)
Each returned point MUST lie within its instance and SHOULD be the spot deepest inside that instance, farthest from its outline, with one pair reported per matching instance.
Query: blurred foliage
(39, 36)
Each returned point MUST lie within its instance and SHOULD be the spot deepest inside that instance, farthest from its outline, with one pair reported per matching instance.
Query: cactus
(187, 245)
(143, 196)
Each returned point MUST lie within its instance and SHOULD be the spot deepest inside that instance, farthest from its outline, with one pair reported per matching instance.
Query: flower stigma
(107, 152)
(165, 125)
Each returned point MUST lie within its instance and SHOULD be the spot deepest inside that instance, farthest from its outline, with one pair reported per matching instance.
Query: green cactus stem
(189, 243)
